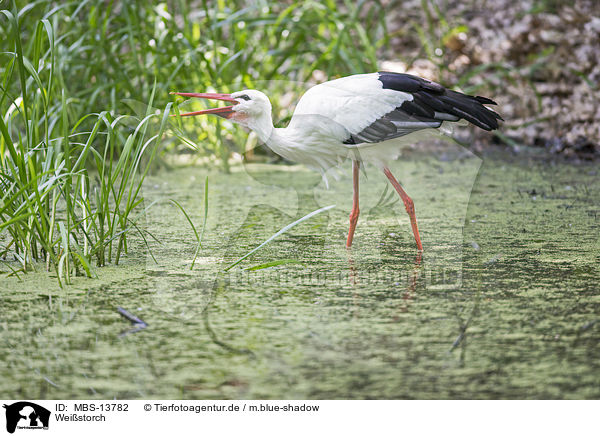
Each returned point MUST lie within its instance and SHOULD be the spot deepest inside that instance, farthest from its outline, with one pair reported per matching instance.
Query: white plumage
(353, 102)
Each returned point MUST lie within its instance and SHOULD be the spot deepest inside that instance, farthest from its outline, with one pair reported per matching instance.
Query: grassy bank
(80, 84)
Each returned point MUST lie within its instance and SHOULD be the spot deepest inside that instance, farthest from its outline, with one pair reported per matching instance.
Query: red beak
(225, 112)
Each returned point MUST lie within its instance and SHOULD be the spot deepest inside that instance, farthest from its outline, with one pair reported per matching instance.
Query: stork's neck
(309, 141)
(263, 126)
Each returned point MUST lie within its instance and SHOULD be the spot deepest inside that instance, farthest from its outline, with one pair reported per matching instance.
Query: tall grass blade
(280, 232)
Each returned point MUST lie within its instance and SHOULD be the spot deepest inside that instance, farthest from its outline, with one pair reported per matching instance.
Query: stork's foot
(355, 211)
(409, 205)
(353, 220)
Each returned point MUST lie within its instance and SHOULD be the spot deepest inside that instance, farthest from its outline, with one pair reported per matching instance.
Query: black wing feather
(431, 105)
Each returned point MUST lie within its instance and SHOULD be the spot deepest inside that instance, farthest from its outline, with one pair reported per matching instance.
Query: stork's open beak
(225, 112)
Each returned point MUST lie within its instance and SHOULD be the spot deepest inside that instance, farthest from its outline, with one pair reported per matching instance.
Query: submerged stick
(138, 324)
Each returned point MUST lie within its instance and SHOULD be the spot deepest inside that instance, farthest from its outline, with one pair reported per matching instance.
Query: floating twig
(138, 324)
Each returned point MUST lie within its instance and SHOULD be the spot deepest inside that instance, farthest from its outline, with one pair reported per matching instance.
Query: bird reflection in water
(412, 279)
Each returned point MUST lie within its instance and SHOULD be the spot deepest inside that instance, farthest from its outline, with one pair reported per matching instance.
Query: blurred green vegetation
(107, 53)
(80, 83)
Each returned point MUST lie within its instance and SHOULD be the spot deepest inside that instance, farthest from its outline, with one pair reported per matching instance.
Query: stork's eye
(244, 97)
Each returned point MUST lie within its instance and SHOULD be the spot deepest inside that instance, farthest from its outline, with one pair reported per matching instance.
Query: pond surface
(504, 303)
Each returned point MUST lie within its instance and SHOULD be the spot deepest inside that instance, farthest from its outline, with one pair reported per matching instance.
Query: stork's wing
(343, 107)
(393, 125)
(431, 104)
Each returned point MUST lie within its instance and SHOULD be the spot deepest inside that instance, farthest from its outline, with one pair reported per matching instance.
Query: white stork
(346, 117)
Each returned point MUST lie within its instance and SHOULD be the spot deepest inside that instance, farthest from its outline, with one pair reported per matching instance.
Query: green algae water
(503, 303)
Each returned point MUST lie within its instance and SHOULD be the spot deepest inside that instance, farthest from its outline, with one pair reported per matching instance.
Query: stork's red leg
(408, 204)
(355, 212)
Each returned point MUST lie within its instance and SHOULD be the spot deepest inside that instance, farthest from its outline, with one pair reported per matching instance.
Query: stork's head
(248, 107)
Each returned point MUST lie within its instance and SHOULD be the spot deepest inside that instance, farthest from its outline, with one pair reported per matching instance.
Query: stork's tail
(470, 108)
(432, 101)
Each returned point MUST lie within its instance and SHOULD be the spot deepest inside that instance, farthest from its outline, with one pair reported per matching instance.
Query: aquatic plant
(72, 167)
(69, 194)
